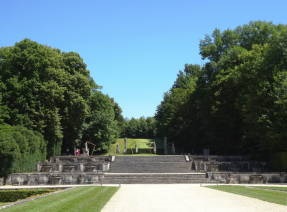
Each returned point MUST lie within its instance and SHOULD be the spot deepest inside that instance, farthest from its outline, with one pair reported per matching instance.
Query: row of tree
(51, 93)
(139, 128)
(236, 103)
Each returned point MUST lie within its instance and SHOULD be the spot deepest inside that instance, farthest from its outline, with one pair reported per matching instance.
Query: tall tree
(238, 102)
(49, 91)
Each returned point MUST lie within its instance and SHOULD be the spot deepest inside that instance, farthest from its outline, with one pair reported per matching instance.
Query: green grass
(283, 189)
(131, 142)
(76, 199)
(270, 194)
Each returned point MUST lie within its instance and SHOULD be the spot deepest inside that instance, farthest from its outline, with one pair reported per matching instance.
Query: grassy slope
(272, 194)
(141, 144)
(76, 199)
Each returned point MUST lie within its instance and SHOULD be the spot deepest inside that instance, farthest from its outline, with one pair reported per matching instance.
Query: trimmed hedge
(20, 149)
(17, 194)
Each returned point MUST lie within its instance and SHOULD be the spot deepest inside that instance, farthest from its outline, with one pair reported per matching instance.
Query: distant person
(77, 152)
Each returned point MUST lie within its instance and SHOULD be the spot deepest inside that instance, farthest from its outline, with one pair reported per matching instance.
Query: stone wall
(251, 177)
(93, 169)
(53, 178)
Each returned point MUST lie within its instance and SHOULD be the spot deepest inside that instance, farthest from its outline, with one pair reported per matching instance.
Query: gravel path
(187, 197)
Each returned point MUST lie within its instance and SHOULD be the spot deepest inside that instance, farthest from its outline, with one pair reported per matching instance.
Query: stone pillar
(39, 166)
(206, 153)
(60, 167)
(154, 147)
(172, 149)
(165, 146)
(125, 145)
(81, 167)
(118, 149)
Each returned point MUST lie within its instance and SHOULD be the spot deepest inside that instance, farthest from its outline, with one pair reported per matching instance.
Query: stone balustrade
(53, 179)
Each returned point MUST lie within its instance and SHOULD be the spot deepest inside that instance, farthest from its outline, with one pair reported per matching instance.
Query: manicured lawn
(131, 142)
(270, 194)
(283, 189)
(77, 199)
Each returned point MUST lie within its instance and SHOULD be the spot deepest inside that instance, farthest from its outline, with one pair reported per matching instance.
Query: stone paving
(183, 197)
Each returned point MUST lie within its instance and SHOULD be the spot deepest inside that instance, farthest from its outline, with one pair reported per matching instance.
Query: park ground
(156, 197)
(184, 197)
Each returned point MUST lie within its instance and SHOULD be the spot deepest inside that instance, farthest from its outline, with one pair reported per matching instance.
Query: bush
(20, 149)
(14, 195)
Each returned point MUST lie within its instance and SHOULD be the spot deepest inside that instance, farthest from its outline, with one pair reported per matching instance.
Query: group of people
(77, 152)
(85, 151)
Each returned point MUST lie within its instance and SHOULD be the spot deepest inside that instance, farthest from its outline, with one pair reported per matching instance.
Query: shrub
(20, 149)
(16, 194)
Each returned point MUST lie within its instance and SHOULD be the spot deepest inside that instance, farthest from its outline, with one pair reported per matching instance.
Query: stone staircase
(152, 169)
(162, 169)
(154, 178)
(150, 164)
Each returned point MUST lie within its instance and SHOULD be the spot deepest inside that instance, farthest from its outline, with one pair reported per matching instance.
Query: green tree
(49, 91)
(237, 104)
(101, 127)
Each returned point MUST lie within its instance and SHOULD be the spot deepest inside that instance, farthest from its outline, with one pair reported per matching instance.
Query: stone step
(131, 178)
(150, 169)
(150, 164)
(160, 158)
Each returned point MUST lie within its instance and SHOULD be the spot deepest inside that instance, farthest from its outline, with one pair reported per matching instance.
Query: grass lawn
(77, 199)
(131, 142)
(270, 194)
(283, 189)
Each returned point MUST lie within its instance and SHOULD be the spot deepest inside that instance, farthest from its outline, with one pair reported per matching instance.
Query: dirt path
(178, 198)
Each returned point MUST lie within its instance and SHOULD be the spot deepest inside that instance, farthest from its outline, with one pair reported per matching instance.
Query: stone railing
(53, 178)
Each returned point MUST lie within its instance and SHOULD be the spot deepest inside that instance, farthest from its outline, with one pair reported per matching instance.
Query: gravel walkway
(179, 197)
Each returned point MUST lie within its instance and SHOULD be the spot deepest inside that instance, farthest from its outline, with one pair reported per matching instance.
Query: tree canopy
(236, 102)
(139, 128)
(52, 93)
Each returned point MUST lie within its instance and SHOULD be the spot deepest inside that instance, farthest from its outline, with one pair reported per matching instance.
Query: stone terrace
(147, 169)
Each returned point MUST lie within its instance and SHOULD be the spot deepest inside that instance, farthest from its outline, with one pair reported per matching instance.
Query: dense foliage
(20, 149)
(51, 92)
(139, 128)
(236, 103)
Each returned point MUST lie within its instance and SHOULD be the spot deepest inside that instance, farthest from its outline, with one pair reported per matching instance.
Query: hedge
(16, 194)
(20, 149)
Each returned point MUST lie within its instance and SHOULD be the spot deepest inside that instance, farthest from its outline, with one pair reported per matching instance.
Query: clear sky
(133, 48)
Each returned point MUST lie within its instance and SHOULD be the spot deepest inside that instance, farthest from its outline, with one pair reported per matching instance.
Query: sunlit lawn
(270, 194)
(77, 199)
(141, 143)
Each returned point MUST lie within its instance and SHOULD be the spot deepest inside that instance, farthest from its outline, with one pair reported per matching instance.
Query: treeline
(139, 128)
(236, 103)
(50, 95)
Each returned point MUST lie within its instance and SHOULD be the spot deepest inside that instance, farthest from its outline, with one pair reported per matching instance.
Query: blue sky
(134, 49)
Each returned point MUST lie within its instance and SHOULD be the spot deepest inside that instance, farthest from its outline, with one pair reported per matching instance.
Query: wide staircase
(150, 164)
(147, 169)
(154, 178)
(152, 169)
